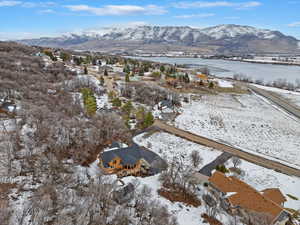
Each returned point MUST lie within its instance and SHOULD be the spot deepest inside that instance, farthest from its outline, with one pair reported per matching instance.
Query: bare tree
(212, 205)
(5, 215)
(196, 158)
(236, 161)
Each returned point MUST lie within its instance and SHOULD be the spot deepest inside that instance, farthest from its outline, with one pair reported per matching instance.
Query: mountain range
(222, 39)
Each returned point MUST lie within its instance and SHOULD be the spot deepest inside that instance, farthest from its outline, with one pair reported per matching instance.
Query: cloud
(9, 3)
(203, 15)
(26, 4)
(204, 4)
(5, 36)
(37, 4)
(117, 10)
(46, 11)
(295, 24)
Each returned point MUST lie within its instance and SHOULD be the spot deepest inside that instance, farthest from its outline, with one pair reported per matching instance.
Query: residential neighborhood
(144, 140)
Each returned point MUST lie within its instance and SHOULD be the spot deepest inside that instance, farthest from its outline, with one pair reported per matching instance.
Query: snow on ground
(261, 178)
(224, 83)
(7, 125)
(293, 96)
(185, 214)
(168, 146)
(258, 177)
(244, 121)
(103, 102)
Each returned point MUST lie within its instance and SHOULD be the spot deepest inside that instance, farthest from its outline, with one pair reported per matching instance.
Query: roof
(245, 196)
(166, 103)
(129, 156)
(275, 195)
(220, 160)
(7, 106)
(202, 76)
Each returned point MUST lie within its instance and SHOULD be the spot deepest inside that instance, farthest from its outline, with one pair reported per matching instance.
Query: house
(275, 195)
(7, 107)
(131, 161)
(239, 198)
(166, 104)
(201, 77)
(199, 179)
(109, 69)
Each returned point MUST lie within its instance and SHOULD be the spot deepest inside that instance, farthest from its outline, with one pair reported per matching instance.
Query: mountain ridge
(223, 39)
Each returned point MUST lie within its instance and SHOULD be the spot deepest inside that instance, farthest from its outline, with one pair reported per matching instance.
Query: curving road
(253, 158)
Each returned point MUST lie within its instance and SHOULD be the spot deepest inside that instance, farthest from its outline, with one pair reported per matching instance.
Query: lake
(223, 68)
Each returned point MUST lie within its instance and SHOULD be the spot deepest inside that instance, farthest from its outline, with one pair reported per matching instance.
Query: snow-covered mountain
(220, 39)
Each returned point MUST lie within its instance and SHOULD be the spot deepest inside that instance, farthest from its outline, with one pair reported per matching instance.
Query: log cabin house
(130, 161)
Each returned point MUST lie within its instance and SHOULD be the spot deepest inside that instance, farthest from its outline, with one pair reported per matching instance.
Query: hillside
(222, 39)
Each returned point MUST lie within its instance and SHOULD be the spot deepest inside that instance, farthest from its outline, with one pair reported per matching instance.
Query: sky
(30, 19)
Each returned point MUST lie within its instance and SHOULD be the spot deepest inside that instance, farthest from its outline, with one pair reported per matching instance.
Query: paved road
(220, 160)
(278, 100)
(256, 159)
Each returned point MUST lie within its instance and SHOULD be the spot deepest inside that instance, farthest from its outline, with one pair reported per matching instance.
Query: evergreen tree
(65, 56)
(211, 85)
(50, 54)
(127, 79)
(91, 105)
(149, 120)
(116, 102)
(126, 69)
(127, 108)
(94, 61)
(102, 80)
(186, 78)
(105, 72)
(86, 70)
(162, 68)
(141, 72)
(88, 59)
(89, 101)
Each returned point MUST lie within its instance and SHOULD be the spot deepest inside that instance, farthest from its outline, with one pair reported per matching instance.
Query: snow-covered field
(293, 96)
(224, 83)
(260, 178)
(244, 121)
(169, 146)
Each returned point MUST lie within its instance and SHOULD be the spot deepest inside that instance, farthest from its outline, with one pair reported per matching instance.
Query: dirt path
(256, 159)
(107, 80)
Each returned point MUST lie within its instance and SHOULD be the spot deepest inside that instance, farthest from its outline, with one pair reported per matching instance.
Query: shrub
(116, 102)
(222, 168)
(127, 107)
(145, 119)
(89, 101)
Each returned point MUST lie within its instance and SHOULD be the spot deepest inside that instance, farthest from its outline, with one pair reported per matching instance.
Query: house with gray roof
(134, 160)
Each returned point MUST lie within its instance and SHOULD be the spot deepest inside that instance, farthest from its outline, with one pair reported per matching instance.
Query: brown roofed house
(275, 195)
(241, 195)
